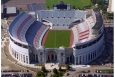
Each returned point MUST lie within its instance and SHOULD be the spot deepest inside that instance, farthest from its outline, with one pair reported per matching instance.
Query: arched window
(76, 60)
(86, 57)
(24, 58)
(83, 58)
(15, 54)
(95, 53)
(89, 56)
(80, 60)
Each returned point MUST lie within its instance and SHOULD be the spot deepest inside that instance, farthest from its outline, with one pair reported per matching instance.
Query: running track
(71, 38)
(44, 38)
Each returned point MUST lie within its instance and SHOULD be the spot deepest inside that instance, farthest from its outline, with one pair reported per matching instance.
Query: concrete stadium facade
(26, 34)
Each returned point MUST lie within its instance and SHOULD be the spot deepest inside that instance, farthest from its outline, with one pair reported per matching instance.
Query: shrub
(60, 73)
(67, 67)
(55, 71)
(55, 75)
(60, 69)
(40, 74)
(43, 69)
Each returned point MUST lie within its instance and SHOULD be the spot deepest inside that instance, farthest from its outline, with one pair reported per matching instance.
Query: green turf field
(76, 3)
(57, 38)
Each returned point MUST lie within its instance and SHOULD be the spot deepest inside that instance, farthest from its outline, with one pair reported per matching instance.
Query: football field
(57, 38)
(76, 3)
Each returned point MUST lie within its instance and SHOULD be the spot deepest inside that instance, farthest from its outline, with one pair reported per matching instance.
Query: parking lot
(8, 68)
(94, 75)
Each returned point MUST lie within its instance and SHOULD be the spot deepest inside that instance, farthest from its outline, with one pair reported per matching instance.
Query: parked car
(67, 74)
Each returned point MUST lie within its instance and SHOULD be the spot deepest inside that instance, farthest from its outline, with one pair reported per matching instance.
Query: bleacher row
(25, 28)
(31, 32)
(81, 32)
(14, 25)
(90, 21)
(77, 14)
(83, 29)
(38, 37)
(20, 25)
(75, 35)
(60, 22)
(22, 3)
(60, 27)
(35, 7)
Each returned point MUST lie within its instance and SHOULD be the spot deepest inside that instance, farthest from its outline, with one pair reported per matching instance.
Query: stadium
(58, 35)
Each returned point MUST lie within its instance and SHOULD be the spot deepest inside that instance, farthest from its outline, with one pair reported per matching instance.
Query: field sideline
(76, 3)
(57, 38)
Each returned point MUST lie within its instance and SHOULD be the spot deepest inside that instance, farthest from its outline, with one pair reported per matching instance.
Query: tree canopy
(43, 69)
(55, 71)
(40, 74)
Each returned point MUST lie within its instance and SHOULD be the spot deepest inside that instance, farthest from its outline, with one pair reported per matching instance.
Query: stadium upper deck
(61, 17)
(26, 29)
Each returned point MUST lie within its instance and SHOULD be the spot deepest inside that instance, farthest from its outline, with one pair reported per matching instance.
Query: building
(9, 11)
(110, 6)
(2, 9)
(26, 34)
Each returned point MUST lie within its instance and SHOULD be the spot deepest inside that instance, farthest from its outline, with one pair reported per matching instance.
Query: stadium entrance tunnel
(51, 56)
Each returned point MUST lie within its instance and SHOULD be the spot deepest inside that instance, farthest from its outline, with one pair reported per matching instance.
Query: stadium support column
(28, 59)
(45, 56)
(74, 53)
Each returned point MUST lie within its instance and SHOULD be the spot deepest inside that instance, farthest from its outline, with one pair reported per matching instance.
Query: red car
(67, 74)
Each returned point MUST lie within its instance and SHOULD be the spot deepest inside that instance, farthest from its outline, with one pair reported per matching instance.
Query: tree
(60, 73)
(55, 75)
(48, 7)
(55, 71)
(73, 7)
(67, 67)
(40, 74)
(60, 69)
(43, 69)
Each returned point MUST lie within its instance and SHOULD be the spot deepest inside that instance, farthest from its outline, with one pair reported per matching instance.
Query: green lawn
(76, 3)
(57, 38)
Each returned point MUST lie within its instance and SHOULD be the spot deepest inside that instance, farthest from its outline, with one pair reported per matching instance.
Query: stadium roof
(99, 20)
(11, 10)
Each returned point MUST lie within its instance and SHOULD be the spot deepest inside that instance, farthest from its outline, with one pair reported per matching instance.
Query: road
(92, 70)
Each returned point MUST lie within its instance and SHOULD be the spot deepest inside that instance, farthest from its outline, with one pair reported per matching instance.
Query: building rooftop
(11, 10)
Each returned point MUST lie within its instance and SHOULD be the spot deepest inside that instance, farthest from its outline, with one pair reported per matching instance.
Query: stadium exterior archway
(51, 56)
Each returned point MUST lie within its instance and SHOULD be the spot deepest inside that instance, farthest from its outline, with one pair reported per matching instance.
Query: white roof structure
(11, 10)
(31, 13)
